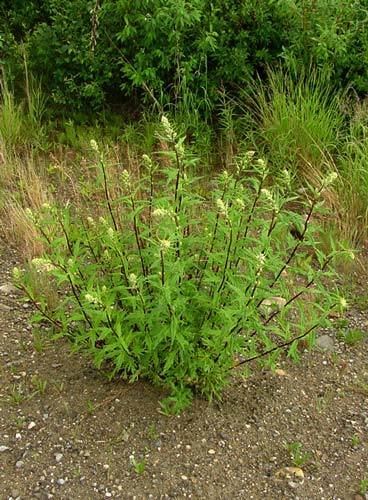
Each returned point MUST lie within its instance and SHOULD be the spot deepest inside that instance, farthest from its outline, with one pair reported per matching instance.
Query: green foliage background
(93, 53)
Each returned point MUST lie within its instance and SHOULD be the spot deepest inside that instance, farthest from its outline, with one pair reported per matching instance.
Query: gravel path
(66, 432)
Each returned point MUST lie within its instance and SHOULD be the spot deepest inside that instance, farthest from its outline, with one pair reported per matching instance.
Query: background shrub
(93, 53)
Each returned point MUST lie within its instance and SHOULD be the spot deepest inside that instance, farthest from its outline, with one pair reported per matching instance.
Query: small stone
(106, 466)
(184, 478)
(19, 464)
(58, 457)
(15, 494)
(280, 372)
(18, 435)
(4, 448)
(60, 481)
(4, 308)
(211, 452)
(326, 343)
(8, 288)
(31, 425)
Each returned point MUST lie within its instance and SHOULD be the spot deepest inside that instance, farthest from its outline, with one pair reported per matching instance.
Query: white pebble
(31, 425)
(211, 452)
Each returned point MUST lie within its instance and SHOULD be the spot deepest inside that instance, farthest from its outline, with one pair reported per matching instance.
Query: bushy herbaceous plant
(185, 279)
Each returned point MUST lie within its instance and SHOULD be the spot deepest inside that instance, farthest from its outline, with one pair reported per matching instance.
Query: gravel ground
(66, 432)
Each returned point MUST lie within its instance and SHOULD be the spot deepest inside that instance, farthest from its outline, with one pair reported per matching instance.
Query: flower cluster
(168, 129)
(42, 265)
(94, 145)
(132, 278)
(92, 299)
(222, 207)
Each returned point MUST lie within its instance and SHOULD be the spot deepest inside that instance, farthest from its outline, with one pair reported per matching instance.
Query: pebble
(8, 288)
(19, 464)
(211, 452)
(31, 425)
(58, 457)
(4, 308)
(326, 343)
(60, 481)
(184, 478)
(4, 448)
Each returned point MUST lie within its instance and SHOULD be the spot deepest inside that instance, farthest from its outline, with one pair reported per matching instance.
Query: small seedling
(363, 387)
(20, 422)
(363, 487)
(59, 386)
(91, 407)
(39, 384)
(341, 323)
(139, 465)
(355, 440)
(152, 432)
(39, 343)
(354, 336)
(324, 400)
(297, 455)
(16, 395)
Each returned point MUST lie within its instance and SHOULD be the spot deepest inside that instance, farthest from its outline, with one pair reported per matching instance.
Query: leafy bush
(179, 288)
(90, 53)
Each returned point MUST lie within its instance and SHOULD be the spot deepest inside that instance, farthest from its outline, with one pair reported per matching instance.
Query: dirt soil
(66, 432)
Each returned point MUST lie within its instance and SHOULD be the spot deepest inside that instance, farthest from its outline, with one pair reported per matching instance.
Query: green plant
(363, 486)
(352, 336)
(39, 342)
(355, 440)
(152, 432)
(139, 465)
(16, 394)
(91, 407)
(298, 457)
(297, 116)
(325, 400)
(39, 384)
(172, 286)
(353, 184)
(11, 123)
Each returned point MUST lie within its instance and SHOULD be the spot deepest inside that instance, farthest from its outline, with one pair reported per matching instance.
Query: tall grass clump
(353, 188)
(298, 120)
(21, 124)
(180, 288)
(11, 123)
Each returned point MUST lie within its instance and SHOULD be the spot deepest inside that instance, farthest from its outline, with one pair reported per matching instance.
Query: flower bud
(125, 179)
(94, 145)
(17, 273)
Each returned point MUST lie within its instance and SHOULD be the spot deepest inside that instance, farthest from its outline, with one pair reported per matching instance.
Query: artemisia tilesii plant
(179, 287)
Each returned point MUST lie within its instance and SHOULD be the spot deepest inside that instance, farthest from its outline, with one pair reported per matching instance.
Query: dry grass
(24, 185)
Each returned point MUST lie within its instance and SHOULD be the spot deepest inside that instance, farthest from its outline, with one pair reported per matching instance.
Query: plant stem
(280, 346)
(107, 195)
